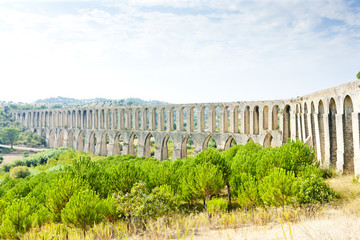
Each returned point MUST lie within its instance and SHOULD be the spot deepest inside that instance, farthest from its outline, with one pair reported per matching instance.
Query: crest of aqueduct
(328, 120)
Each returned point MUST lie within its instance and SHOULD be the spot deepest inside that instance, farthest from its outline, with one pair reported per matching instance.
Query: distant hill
(111, 102)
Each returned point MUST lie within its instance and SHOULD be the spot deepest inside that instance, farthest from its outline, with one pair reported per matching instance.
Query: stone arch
(149, 146)
(247, 120)
(183, 119)
(92, 142)
(286, 124)
(216, 122)
(84, 119)
(313, 132)
(275, 117)
(118, 144)
(73, 118)
(332, 132)
(187, 147)
(61, 138)
(80, 141)
(268, 140)
(133, 144)
(108, 120)
(193, 120)
(256, 120)
(266, 118)
(348, 136)
(52, 139)
(104, 144)
(306, 122)
(96, 119)
(167, 148)
(172, 119)
(230, 142)
(137, 119)
(70, 140)
(78, 124)
(209, 142)
(91, 117)
(321, 130)
(102, 119)
(68, 119)
(162, 119)
(237, 119)
(46, 119)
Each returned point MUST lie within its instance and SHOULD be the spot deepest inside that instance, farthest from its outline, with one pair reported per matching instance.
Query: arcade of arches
(327, 120)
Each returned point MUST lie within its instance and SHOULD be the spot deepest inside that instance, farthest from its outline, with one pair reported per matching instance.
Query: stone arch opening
(247, 120)
(91, 124)
(193, 120)
(266, 118)
(348, 136)
(286, 124)
(167, 149)
(313, 132)
(321, 130)
(102, 119)
(133, 144)
(183, 119)
(209, 142)
(84, 119)
(306, 122)
(96, 119)
(332, 132)
(118, 144)
(149, 146)
(256, 120)
(230, 142)
(275, 117)
(137, 118)
(108, 119)
(70, 140)
(104, 144)
(204, 120)
(268, 140)
(52, 139)
(51, 119)
(226, 119)
(92, 143)
(79, 119)
(173, 125)
(237, 119)
(187, 147)
(216, 119)
(115, 119)
(73, 118)
(81, 141)
(61, 139)
(46, 119)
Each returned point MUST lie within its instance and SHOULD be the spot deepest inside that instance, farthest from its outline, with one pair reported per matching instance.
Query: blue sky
(177, 51)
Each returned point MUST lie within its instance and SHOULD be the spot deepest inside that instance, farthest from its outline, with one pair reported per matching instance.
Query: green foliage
(278, 188)
(19, 172)
(83, 210)
(358, 76)
(247, 191)
(16, 220)
(9, 135)
(140, 205)
(217, 206)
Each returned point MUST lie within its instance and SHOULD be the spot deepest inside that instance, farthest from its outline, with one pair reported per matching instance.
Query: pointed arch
(70, 140)
(230, 142)
(133, 144)
(52, 139)
(149, 146)
(104, 144)
(167, 148)
(268, 140)
(80, 141)
(92, 142)
(209, 142)
(61, 139)
(118, 144)
(187, 147)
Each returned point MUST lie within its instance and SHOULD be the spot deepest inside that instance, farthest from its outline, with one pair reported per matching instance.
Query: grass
(338, 220)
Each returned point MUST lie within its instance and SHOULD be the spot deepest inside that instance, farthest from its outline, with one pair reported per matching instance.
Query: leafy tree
(278, 188)
(19, 172)
(358, 76)
(9, 135)
(84, 209)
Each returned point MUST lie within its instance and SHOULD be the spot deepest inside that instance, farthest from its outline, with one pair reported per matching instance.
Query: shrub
(16, 220)
(217, 206)
(84, 209)
(19, 172)
(278, 188)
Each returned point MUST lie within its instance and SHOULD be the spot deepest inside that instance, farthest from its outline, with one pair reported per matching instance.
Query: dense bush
(79, 190)
(19, 172)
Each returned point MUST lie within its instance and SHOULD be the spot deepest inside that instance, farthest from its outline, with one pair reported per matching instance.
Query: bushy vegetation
(78, 190)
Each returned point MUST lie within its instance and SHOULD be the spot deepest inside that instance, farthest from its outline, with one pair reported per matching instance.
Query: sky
(178, 51)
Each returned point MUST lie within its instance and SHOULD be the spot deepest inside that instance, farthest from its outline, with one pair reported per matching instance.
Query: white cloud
(178, 51)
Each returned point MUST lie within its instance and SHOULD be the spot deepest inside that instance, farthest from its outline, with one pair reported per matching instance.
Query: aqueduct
(329, 119)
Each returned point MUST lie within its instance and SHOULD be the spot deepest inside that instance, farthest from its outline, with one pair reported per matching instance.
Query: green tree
(84, 210)
(358, 76)
(9, 135)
